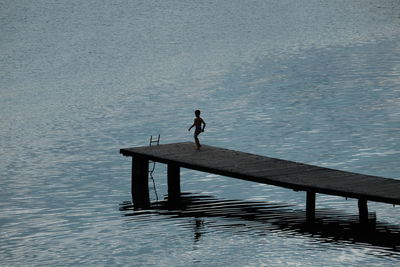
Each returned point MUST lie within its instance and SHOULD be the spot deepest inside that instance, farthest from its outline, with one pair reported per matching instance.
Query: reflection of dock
(258, 217)
(256, 168)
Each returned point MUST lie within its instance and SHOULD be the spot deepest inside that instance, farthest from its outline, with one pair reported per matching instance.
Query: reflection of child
(197, 122)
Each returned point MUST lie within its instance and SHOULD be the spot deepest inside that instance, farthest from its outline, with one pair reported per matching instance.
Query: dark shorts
(197, 132)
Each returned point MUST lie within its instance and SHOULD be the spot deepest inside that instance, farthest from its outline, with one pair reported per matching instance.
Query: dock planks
(266, 170)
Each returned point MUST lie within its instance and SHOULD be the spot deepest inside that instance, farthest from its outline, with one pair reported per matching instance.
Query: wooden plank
(272, 171)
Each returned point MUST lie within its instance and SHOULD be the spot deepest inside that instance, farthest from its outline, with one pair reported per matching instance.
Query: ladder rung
(155, 140)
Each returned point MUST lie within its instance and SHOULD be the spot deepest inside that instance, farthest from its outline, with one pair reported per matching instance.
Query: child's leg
(196, 139)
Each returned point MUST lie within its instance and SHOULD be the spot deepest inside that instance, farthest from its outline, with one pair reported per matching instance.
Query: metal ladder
(152, 164)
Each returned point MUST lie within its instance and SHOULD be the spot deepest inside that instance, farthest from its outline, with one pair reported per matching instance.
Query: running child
(198, 121)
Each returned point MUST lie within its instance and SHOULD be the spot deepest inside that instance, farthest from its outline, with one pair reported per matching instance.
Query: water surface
(310, 81)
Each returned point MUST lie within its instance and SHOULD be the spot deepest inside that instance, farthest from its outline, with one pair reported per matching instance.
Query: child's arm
(204, 125)
(192, 125)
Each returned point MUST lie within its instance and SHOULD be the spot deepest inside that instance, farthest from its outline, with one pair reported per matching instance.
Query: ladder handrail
(151, 170)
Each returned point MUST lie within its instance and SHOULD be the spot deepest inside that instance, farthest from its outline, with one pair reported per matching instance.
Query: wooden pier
(260, 169)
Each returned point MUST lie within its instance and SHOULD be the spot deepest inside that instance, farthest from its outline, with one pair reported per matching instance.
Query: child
(197, 122)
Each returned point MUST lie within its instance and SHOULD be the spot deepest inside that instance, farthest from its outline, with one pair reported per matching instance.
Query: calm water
(312, 81)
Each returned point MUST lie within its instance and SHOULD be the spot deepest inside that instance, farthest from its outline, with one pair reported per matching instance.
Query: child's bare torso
(197, 122)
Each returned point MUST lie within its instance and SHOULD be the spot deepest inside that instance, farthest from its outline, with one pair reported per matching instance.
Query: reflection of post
(140, 183)
(198, 229)
(174, 183)
(363, 211)
(310, 208)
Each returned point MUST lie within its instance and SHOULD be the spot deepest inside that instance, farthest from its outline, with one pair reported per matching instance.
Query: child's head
(197, 113)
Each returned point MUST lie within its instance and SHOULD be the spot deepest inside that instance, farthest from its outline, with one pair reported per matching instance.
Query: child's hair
(197, 112)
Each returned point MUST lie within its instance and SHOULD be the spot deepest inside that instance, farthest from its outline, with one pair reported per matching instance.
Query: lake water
(311, 81)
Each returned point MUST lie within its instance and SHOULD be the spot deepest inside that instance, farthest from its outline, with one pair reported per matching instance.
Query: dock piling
(140, 183)
(174, 183)
(310, 208)
(363, 211)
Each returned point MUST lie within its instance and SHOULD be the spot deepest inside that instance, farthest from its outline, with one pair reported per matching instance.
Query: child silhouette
(198, 121)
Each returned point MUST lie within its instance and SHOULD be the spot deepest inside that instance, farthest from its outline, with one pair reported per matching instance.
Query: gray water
(311, 81)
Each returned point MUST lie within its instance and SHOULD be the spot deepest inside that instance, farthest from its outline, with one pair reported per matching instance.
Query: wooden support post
(310, 208)
(174, 183)
(363, 211)
(140, 183)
